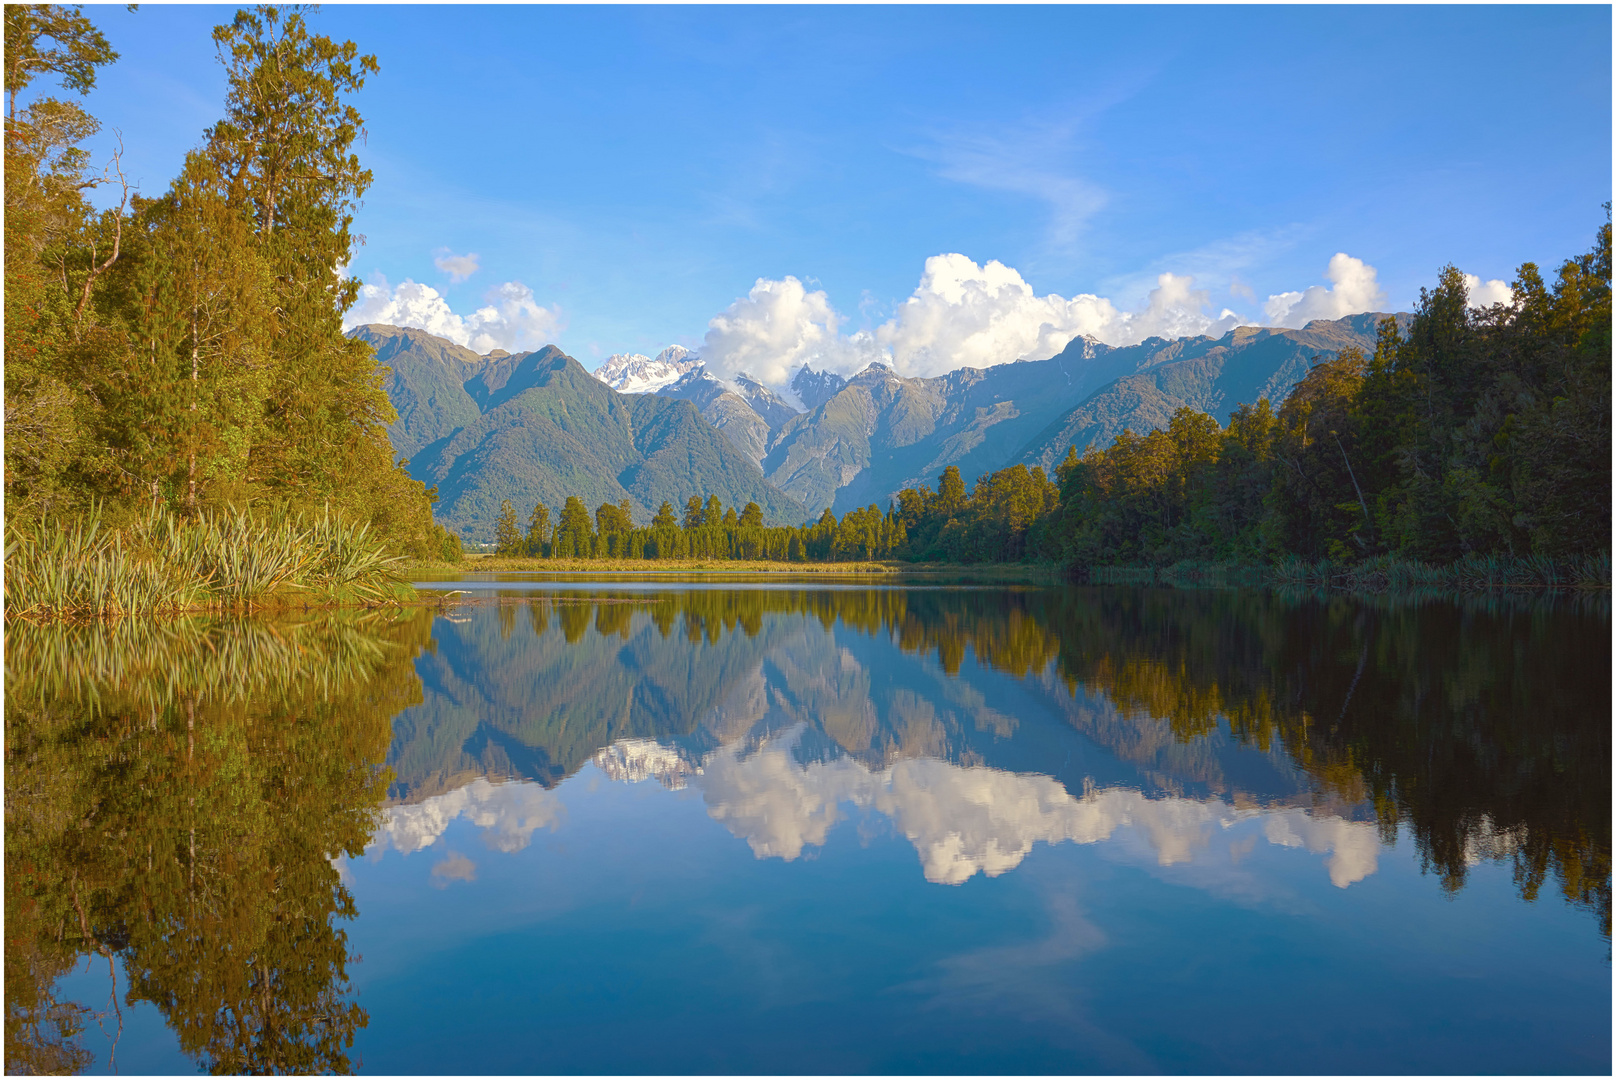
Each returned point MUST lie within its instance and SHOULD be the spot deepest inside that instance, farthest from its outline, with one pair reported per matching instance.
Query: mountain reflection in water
(182, 801)
(1482, 729)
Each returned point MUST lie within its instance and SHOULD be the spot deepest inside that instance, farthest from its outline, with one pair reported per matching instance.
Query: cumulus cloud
(456, 867)
(458, 267)
(1354, 290)
(775, 329)
(965, 315)
(508, 814)
(962, 314)
(1485, 294)
(969, 820)
(510, 317)
(1353, 846)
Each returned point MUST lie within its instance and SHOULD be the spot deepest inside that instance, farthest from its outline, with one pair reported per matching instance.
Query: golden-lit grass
(165, 564)
(505, 564)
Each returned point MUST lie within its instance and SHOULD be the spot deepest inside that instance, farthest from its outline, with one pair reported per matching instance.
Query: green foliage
(507, 537)
(538, 530)
(1000, 521)
(612, 520)
(575, 532)
(536, 427)
(232, 761)
(1476, 435)
(713, 531)
(188, 348)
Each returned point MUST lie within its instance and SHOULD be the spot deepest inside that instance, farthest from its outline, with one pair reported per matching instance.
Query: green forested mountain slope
(536, 427)
(426, 384)
(880, 432)
(1214, 375)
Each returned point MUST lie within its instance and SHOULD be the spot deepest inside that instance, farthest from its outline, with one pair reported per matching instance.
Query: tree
(713, 512)
(507, 537)
(752, 516)
(614, 519)
(693, 513)
(285, 148)
(665, 517)
(575, 532)
(56, 246)
(950, 489)
(79, 49)
(538, 529)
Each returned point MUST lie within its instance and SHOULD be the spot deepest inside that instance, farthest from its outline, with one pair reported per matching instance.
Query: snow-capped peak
(634, 760)
(636, 373)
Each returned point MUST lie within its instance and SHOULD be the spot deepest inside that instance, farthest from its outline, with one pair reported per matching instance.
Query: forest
(184, 349)
(1479, 432)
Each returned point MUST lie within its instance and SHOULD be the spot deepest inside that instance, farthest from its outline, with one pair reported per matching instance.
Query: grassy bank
(506, 564)
(164, 563)
(1387, 574)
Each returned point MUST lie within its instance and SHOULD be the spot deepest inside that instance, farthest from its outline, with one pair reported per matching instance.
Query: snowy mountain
(634, 760)
(635, 373)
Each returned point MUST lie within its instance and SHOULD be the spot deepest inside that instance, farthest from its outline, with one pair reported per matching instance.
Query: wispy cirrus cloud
(1025, 162)
(1031, 160)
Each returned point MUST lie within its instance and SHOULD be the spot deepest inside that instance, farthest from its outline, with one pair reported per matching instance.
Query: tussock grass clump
(164, 563)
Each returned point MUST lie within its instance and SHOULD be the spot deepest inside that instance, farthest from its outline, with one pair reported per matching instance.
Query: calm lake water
(664, 827)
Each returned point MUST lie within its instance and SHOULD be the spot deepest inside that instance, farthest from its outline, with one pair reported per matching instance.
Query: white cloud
(1353, 846)
(965, 315)
(960, 315)
(508, 814)
(966, 820)
(1485, 294)
(458, 267)
(509, 319)
(1025, 162)
(1355, 290)
(774, 330)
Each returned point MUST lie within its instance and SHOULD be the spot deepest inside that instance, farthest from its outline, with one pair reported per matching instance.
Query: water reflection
(1055, 715)
(174, 797)
(183, 800)
(963, 820)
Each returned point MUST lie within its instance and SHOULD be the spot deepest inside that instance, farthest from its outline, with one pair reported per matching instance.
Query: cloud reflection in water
(961, 819)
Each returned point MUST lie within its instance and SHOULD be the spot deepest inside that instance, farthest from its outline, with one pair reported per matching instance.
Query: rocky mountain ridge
(536, 426)
(861, 439)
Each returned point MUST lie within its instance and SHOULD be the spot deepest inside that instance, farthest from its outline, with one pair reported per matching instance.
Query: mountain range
(537, 426)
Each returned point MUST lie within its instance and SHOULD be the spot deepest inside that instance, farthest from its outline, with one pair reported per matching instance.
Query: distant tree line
(706, 530)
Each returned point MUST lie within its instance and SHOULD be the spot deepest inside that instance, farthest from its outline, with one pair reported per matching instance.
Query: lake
(662, 826)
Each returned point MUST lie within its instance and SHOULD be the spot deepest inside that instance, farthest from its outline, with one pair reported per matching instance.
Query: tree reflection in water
(1480, 726)
(175, 796)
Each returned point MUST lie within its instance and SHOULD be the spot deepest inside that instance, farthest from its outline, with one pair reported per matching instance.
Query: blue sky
(639, 170)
